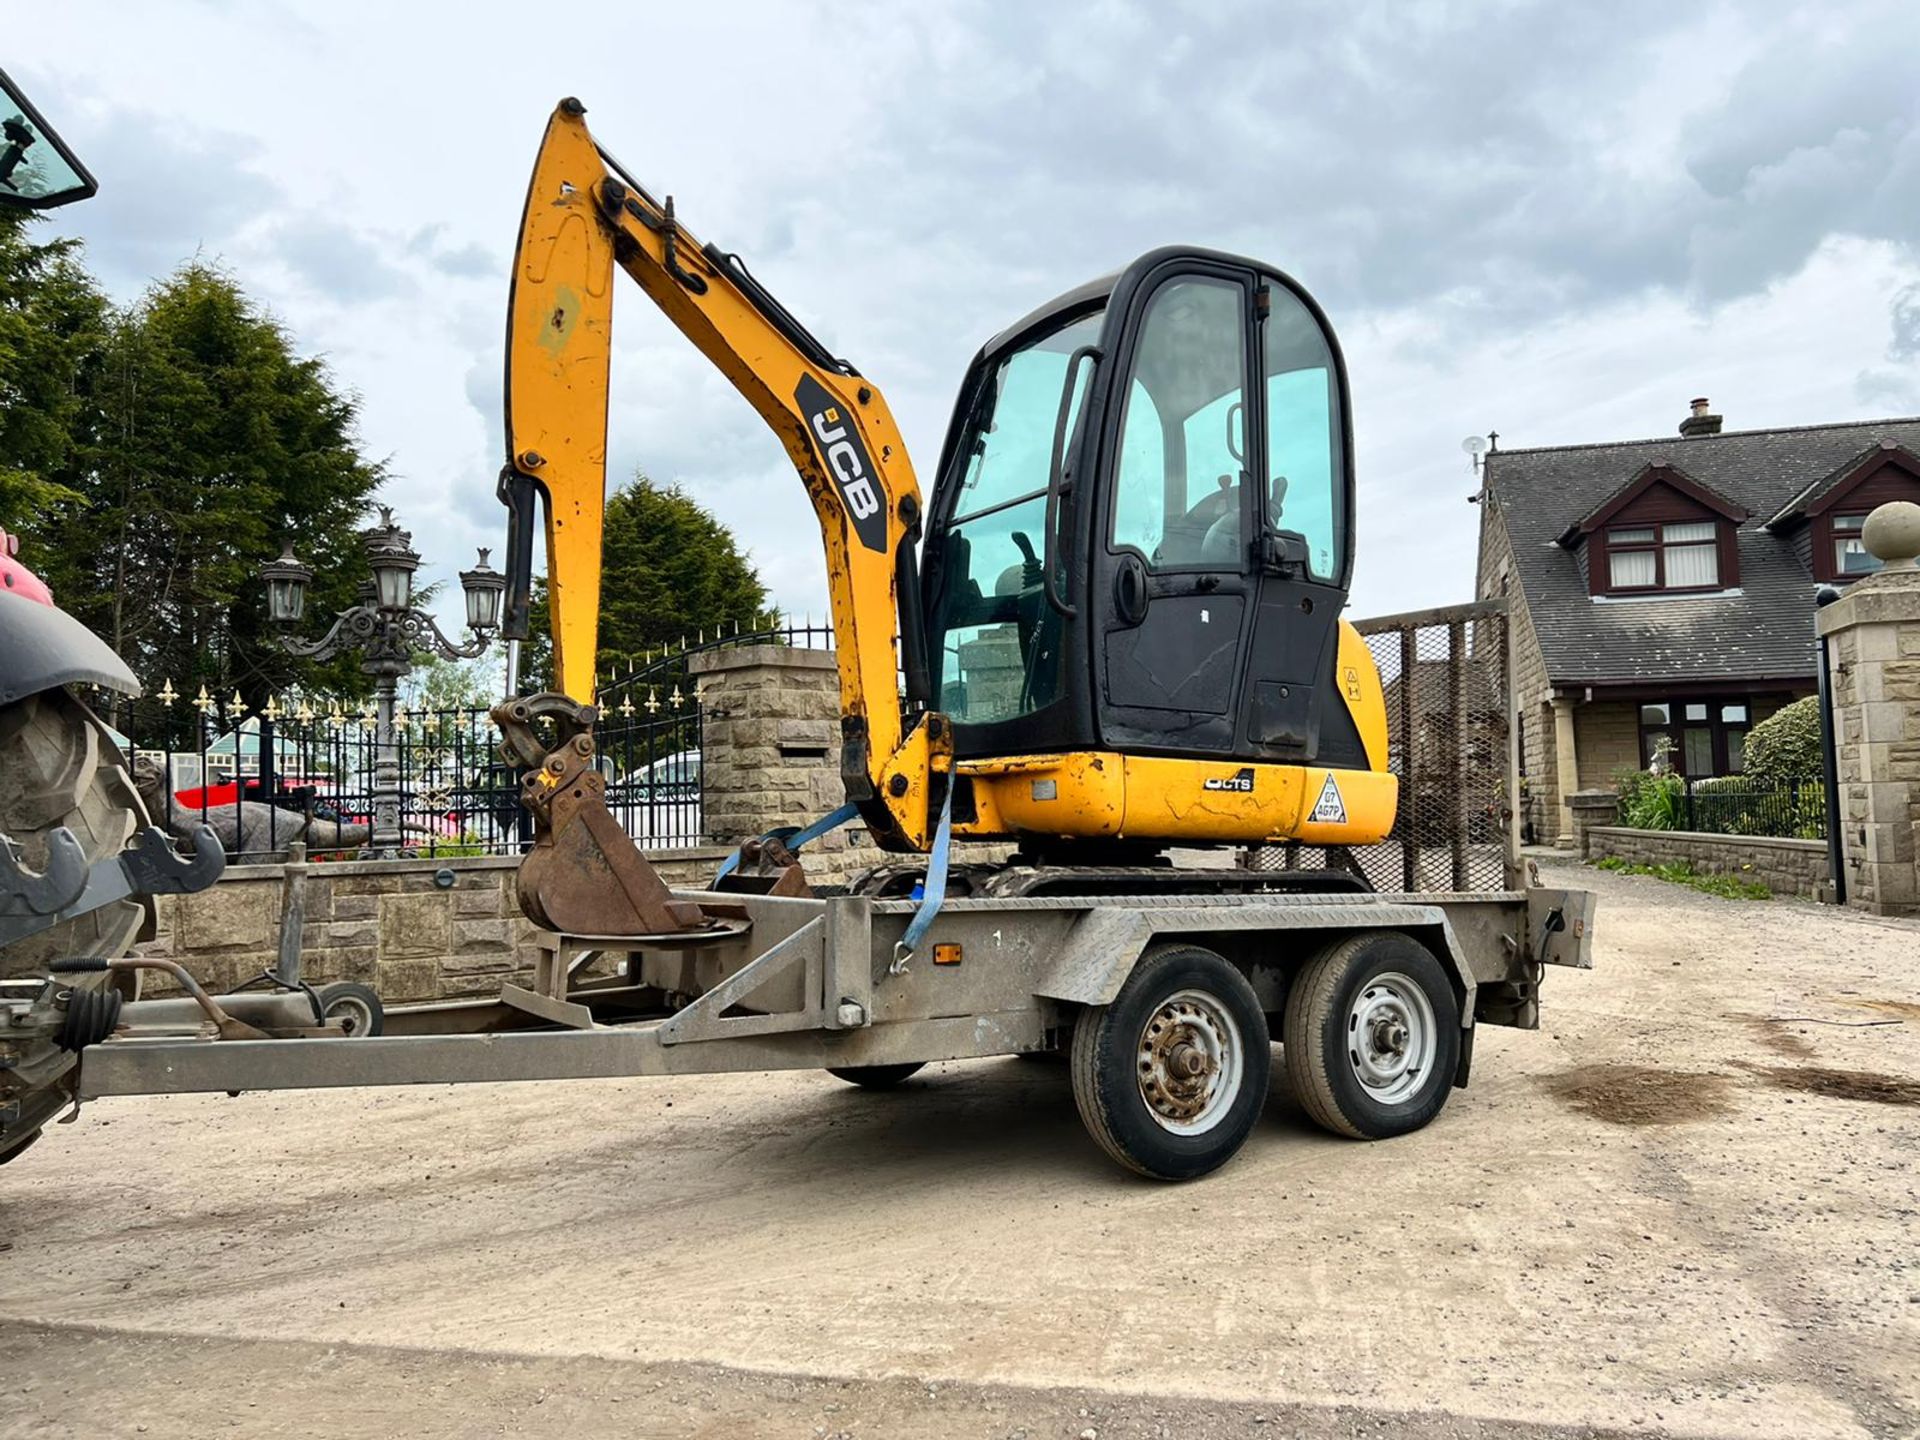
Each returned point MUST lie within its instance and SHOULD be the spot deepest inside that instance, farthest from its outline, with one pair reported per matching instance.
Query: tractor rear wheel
(60, 766)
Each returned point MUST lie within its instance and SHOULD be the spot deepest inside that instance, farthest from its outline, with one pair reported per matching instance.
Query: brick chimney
(1700, 422)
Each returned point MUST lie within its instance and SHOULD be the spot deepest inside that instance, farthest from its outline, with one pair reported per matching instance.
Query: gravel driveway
(1688, 1205)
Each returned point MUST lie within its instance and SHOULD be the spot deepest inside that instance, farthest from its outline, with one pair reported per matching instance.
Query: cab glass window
(37, 170)
(1180, 484)
(1306, 491)
(995, 640)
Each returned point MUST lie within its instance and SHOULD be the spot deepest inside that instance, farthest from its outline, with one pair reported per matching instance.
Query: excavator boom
(583, 217)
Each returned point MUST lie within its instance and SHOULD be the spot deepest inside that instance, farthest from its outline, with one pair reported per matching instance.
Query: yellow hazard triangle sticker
(1329, 809)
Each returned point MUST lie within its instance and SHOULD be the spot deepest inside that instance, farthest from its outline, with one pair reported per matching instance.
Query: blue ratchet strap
(935, 893)
(794, 839)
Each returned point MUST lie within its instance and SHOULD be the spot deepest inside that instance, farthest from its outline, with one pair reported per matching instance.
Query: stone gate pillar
(770, 749)
(1874, 634)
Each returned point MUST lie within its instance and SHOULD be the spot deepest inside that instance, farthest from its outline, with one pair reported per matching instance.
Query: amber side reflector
(946, 954)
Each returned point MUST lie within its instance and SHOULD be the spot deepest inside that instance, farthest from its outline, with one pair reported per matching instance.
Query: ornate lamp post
(386, 629)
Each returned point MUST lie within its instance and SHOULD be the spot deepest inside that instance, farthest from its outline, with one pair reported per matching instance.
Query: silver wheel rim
(1391, 1037)
(353, 1013)
(1189, 1062)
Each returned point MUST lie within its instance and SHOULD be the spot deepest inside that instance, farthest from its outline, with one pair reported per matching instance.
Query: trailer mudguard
(41, 647)
(1107, 942)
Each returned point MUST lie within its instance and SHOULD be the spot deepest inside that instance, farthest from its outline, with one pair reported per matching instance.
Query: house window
(1696, 738)
(1683, 556)
(1850, 554)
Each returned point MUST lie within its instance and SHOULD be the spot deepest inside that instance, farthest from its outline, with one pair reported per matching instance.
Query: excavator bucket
(766, 867)
(584, 875)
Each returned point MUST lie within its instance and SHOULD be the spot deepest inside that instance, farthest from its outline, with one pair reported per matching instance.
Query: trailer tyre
(1170, 1077)
(1372, 1036)
(355, 1006)
(874, 1077)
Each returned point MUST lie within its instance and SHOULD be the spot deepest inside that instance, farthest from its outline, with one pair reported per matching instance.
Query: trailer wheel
(355, 1006)
(1171, 1075)
(1372, 1036)
(874, 1077)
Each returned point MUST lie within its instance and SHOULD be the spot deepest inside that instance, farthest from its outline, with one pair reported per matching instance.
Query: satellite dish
(1474, 445)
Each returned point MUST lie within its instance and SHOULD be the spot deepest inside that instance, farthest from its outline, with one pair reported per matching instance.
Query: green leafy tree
(670, 571)
(53, 326)
(210, 440)
(438, 684)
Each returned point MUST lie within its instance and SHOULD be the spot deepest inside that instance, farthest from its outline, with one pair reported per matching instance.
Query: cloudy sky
(1555, 221)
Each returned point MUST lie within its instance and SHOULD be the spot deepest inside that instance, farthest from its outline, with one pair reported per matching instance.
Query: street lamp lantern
(390, 552)
(287, 580)
(387, 631)
(486, 587)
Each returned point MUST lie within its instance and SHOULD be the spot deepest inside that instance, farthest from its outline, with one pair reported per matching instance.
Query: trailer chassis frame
(821, 994)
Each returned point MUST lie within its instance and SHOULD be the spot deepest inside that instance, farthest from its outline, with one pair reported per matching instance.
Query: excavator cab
(1115, 624)
(1140, 537)
(37, 170)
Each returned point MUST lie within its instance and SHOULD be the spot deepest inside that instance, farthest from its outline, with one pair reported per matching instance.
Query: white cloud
(1557, 221)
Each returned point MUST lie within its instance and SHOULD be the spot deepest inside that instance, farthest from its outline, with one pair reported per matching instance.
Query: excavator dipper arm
(583, 217)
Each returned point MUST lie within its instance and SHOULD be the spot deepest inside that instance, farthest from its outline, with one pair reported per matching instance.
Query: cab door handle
(1130, 590)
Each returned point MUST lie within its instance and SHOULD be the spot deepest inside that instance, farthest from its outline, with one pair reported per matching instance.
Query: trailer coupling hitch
(584, 874)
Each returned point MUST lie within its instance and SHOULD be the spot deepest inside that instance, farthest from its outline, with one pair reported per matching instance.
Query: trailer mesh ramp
(1445, 673)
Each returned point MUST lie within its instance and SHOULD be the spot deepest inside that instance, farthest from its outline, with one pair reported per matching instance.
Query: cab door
(1296, 704)
(1173, 583)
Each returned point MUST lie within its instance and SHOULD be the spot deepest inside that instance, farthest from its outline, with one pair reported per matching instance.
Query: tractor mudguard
(41, 647)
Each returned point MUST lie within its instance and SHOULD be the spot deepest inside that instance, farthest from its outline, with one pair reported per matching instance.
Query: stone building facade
(1662, 590)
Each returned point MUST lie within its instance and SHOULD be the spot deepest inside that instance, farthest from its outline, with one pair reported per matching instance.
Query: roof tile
(1763, 631)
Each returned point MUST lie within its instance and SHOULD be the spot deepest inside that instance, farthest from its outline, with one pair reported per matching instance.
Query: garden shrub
(1649, 801)
(1784, 748)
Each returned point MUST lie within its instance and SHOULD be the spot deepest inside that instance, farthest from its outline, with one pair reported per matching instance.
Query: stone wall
(1786, 867)
(412, 929)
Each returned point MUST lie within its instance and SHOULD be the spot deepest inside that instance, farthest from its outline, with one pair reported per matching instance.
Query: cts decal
(1242, 782)
(845, 457)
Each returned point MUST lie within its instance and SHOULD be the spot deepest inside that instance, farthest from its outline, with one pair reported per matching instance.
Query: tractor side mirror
(37, 170)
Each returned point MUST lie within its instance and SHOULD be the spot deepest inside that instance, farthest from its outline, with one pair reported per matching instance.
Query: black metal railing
(1734, 805)
(302, 767)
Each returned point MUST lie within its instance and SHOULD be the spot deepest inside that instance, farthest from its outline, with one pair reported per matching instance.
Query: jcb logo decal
(846, 458)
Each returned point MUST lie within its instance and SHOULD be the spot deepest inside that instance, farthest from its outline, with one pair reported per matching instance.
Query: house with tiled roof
(1662, 590)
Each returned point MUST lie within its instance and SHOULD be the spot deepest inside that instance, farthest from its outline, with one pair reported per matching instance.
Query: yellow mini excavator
(1115, 628)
